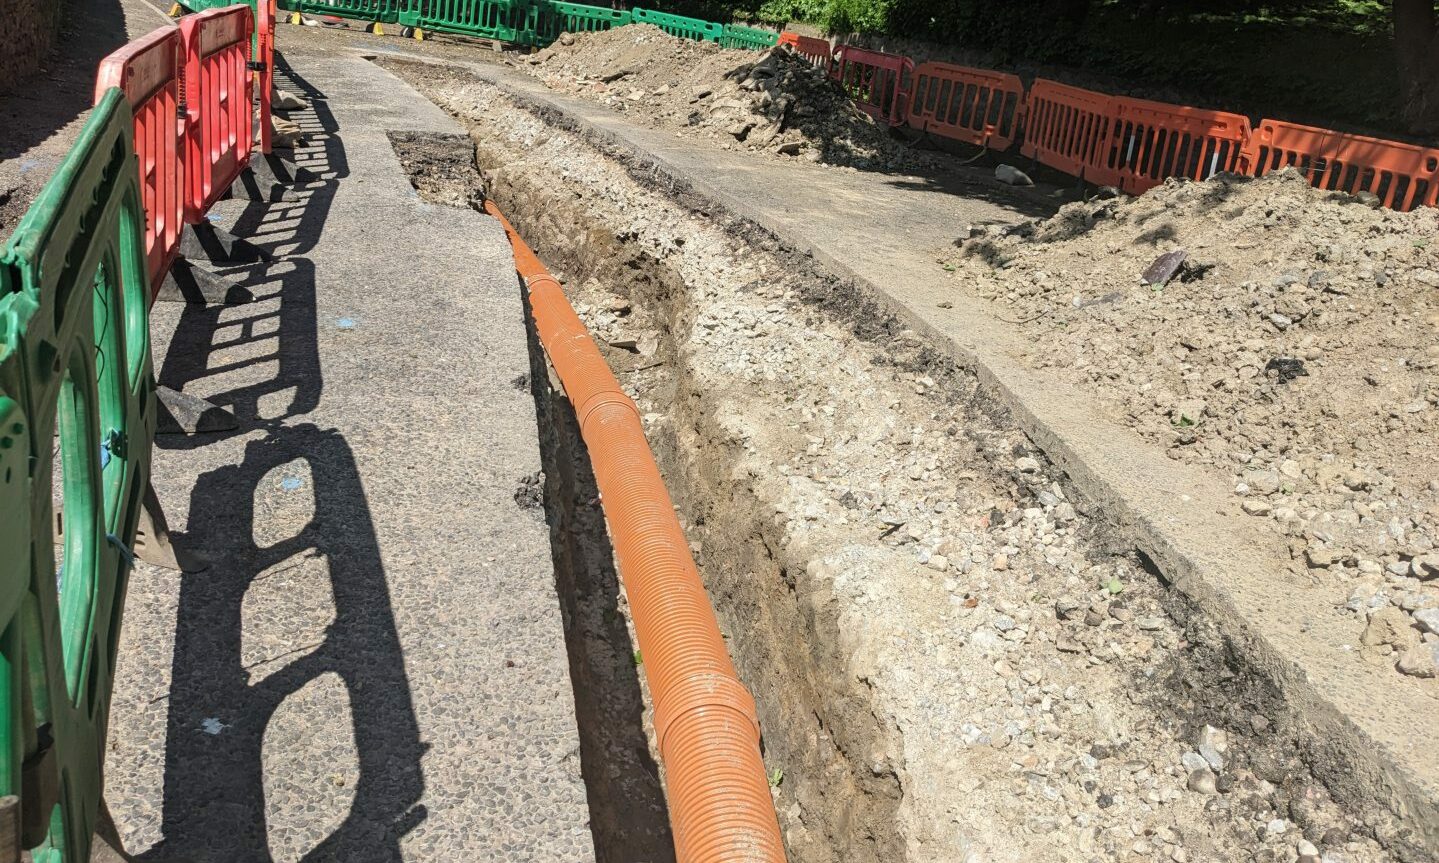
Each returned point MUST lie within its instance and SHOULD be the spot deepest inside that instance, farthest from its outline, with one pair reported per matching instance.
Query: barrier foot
(152, 538)
(181, 413)
(251, 186)
(187, 283)
(207, 242)
(106, 847)
(273, 168)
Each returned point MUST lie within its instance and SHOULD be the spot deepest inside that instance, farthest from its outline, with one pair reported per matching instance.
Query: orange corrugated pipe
(705, 720)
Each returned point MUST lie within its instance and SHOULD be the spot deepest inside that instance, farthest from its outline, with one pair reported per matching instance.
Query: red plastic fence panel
(875, 80)
(816, 51)
(972, 105)
(1151, 141)
(1403, 176)
(265, 49)
(218, 116)
(1068, 129)
(148, 70)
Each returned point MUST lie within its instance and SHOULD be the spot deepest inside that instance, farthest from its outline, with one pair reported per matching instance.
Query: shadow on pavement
(287, 643)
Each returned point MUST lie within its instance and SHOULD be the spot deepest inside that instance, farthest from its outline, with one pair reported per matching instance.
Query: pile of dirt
(1294, 348)
(773, 102)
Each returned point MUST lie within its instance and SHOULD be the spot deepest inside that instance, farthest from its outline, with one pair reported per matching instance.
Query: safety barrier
(148, 71)
(218, 114)
(875, 80)
(264, 60)
(74, 369)
(753, 38)
(505, 20)
(375, 11)
(678, 25)
(553, 18)
(1150, 141)
(705, 720)
(976, 106)
(817, 51)
(1068, 129)
(1403, 176)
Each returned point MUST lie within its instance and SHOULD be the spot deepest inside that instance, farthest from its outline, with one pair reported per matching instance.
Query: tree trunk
(1416, 40)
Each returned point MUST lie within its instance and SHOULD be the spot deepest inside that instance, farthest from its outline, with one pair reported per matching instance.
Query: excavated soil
(954, 659)
(772, 102)
(1294, 350)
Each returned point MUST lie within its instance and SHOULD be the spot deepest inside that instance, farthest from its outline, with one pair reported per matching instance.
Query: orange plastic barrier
(1150, 141)
(875, 80)
(816, 51)
(148, 70)
(218, 115)
(705, 720)
(972, 105)
(1403, 176)
(1068, 129)
(265, 64)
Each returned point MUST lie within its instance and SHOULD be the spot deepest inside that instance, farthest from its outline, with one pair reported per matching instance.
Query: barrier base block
(217, 245)
(181, 413)
(276, 169)
(188, 283)
(152, 538)
(253, 186)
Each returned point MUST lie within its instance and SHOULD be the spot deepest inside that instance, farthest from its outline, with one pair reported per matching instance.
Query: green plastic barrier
(753, 38)
(376, 11)
(74, 359)
(505, 20)
(678, 25)
(551, 18)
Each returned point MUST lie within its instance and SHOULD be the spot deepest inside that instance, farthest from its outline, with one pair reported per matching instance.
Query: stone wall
(30, 29)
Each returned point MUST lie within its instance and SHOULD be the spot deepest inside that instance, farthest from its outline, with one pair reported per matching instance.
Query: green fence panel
(678, 25)
(753, 38)
(378, 11)
(75, 371)
(505, 20)
(550, 18)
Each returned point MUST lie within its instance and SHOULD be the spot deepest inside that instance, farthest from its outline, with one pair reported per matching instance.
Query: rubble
(772, 102)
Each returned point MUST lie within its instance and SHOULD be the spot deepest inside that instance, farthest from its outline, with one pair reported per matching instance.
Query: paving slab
(373, 665)
(1371, 736)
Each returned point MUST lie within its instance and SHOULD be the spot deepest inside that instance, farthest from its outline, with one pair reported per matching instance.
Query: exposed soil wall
(31, 27)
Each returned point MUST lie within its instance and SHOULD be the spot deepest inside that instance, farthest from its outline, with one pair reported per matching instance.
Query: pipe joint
(703, 691)
(600, 399)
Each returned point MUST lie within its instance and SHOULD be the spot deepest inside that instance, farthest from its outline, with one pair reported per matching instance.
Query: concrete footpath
(1368, 735)
(373, 666)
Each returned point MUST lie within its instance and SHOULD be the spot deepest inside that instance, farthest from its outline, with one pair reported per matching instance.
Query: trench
(809, 592)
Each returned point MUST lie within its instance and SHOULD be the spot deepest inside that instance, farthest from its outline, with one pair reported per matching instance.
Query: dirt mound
(773, 102)
(1294, 349)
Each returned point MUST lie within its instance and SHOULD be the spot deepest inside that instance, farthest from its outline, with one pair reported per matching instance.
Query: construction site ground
(993, 605)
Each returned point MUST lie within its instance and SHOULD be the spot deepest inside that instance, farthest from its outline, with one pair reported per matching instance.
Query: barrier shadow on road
(292, 618)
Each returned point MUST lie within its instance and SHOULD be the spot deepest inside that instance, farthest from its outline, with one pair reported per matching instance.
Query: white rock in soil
(1026, 464)
(1012, 176)
(1255, 506)
(1421, 661)
(1428, 618)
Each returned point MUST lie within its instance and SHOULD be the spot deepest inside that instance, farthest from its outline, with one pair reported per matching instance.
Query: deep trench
(785, 639)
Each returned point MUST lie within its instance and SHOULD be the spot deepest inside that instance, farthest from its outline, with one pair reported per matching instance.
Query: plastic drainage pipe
(705, 720)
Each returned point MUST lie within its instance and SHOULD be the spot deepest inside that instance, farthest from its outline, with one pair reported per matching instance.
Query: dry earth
(954, 659)
(771, 102)
(1294, 350)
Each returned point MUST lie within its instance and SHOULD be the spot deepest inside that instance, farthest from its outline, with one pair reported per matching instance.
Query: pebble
(1428, 619)
(1254, 506)
(938, 562)
(1026, 464)
(1000, 563)
(1202, 781)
